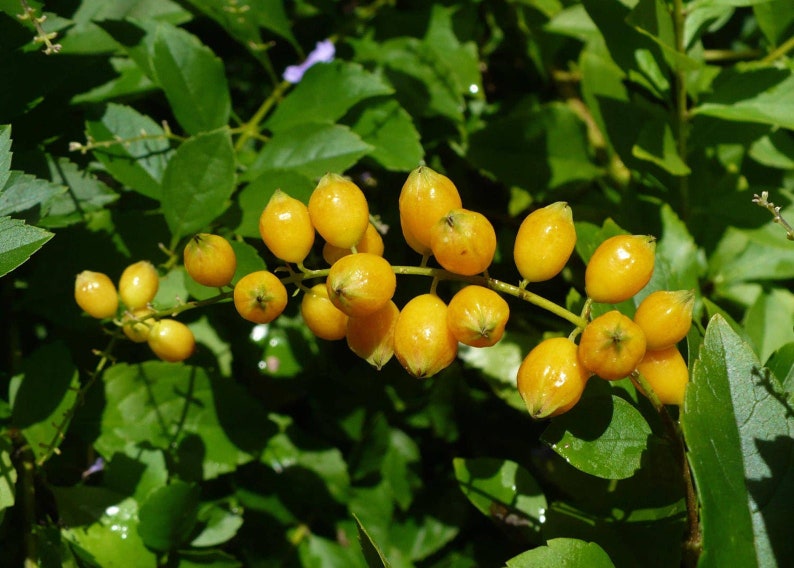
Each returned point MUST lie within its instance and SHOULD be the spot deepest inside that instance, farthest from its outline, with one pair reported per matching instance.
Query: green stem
(781, 50)
(692, 542)
(251, 128)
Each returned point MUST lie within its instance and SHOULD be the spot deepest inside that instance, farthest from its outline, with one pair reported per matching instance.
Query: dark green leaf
(193, 79)
(140, 163)
(371, 550)
(22, 192)
(47, 391)
(136, 473)
(84, 194)
(310, 150)
(782, 366)
(386, 126)
(207, 559)
(8, 475)
(198, 182)
(738, 426)
(17, 242)
(657, 144)
(770, 322)
(505, 492)
(775, 19)
(168, 516)
(604, 436)
(563, 553)
(326, 92)
(5, 154)
(775, 150)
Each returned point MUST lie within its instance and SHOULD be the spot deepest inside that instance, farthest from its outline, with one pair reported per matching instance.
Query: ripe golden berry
(171, 340)
(339, 211)
(665, 317)
(210, 260)
(423, 343)
(371, 337)
(425, 197)
(138, 284)
(611, 346)
(551, 378)
(135, 325)
(620, 267)
(286, 228)
(667, 373)
(463, 242)
(477, 316)
(361, 283)
(260, 297)
(96, 294)
(544, 242)
(371, 242)
(324, 319)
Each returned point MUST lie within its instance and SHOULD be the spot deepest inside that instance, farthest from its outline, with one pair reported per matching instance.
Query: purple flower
(323, 53)
(96, 467)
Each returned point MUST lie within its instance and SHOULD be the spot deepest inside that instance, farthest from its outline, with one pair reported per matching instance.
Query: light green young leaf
(8, 474)
(770, 322)
(193, 79)
(198, 182)
(18, 242)
(326, 92)
(220, 525)
(738, 426)
(140, 163)
(775, 19)
(563, 553)
(310, 150)
(604, 436)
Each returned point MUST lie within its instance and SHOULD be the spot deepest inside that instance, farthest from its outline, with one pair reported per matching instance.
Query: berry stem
(692, 543)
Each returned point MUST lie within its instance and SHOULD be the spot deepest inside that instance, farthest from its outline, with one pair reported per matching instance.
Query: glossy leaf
(198, 181)
(602, 436)
(18, 242)
(738, 427)
(220, 525)
(193, 79)
(168, 516)
(563, 552)
(138, 164)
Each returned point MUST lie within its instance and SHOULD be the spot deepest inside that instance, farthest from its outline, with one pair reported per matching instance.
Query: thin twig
(763, 201)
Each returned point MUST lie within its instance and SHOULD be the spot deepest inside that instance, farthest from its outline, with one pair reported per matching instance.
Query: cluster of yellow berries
(354, 301)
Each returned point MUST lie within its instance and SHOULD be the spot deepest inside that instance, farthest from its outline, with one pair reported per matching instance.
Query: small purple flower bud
(323, 53)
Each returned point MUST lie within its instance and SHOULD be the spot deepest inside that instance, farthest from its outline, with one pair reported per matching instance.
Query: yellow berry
(171, 340)
(544, 242)
(339, 211)
(210, 260)
(611, 346)
(371, 337)
(96, 294)
(665, 317)
(135, 325)
(324, 319)
(423, 343)
(260, 297)
(286, 228)
(667, 373)
(361, 283)
(371, 242)
(463, 242)
(425, 197)
(620, 267)
(477, 316)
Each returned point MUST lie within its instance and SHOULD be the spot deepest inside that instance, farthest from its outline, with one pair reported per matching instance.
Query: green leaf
(604, 436)
(8, 474)
(654, 19)
(198, 182)
(656, 143)
(137, 472)
(763, 95)
(168, 516)
(775, 19)
(167, 405)
(23, 191)
(738, 427)
(310, 150)
(503, 491)
(5, 154)
(130, 81)
(386, 126)
(312, 99)
(563, 553)
(18, 242)
(207, 559)
(751, 255)
(775, 150)
(84, 194)
(685, 261)
(461, 58)
(782, 366)
(254, 197)
(138, 164)
(220, 525)
(371, 550)
(48, 389)
(193, 79)
(770, 322)
(112, 541)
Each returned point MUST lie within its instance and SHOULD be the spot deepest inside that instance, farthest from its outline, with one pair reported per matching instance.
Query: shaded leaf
(372, 553)
(198, 182)
(8, 474)
(770, 322)
(18, 242)
(5, 154)
(23, 191)
(84, 194)
(220, 525)
(386, 126)
(563, 553)
(168, 516)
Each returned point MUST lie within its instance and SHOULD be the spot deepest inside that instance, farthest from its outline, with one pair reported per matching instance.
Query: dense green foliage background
(154, 119)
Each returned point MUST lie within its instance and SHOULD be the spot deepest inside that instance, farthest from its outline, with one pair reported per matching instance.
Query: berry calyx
(665, 317)
(425, 197)
(361, 283)
(260, 297)
(551, 378)
(667, 373)
(210, 260)
(371, 337)
(171, 340)
(620, 267)
(96, 294)
(423, 343)
(322, 318)
(611, 346)
(463, 242)
(477, 316)
(338, 210)
(544, 242)
(286, 228)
